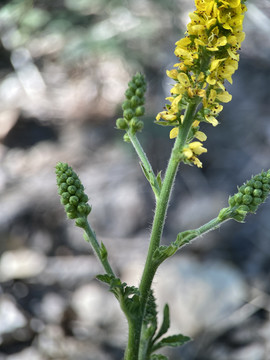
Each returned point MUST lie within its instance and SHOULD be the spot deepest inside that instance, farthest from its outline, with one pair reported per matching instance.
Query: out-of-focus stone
(69, 271)
(97, 309)
(254, 351)
(200, 294)
(55, 345)
(26, 354)
(52, 308)
(11, 317)
(7, 119)
(21, 264)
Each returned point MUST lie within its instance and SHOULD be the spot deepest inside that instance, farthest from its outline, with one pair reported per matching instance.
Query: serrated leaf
(165, 323)
(158, 357)
(163, 252)
(115, 283)
(172, 341)
(105, 278)
(185, 236)
(130, 290)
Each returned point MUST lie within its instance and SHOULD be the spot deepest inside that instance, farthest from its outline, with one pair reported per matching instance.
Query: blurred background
(64, 67)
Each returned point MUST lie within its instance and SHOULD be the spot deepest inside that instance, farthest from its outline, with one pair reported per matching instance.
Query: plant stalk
(90, 237)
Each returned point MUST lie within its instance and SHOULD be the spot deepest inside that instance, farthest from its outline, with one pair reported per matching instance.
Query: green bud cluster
(72, 193)
(133, 105)
(249, 196)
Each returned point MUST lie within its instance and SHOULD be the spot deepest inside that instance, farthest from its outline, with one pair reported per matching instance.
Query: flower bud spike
(72, 193)
(133, 106)
(248, 198)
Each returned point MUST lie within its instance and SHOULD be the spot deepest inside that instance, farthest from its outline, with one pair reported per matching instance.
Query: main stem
(162, 202)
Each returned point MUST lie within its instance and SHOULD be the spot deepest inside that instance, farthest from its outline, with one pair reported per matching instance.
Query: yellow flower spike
(174, 132)
(207, 57)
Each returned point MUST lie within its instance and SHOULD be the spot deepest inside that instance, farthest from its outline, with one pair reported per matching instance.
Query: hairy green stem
(187, 236)
(90, 237)
(163, 201)
(147, 168)
(134, 331)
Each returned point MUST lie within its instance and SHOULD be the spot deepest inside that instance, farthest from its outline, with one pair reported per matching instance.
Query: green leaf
(159, 180)
(105, 278)
(158, 357)
(145, 171)
(115, 284)
(163, 252)
(103, 251)
(165, 324)
(185, 237)
(166, 123)
(173, 341)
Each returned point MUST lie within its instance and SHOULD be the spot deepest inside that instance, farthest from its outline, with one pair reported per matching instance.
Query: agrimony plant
(207, 58)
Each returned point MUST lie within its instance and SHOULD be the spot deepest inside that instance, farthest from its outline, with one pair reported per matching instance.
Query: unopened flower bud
(72, 193)
(133, 105)
(250, 195)
(121, 124)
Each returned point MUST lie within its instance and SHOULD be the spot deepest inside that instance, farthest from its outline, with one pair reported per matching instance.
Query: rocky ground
(59, 101)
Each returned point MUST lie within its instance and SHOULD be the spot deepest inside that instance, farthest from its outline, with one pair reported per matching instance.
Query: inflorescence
(133, 106)
(208, 55)
(72, 192)
(248, 198)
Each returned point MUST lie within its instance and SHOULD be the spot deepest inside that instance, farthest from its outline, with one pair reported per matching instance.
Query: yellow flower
(192, 150)
(172, 73)
(174, 132)
(211, 119)
(197, 148)
(207, 58)
(200, 135)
